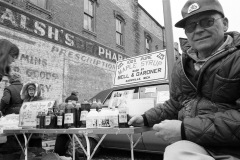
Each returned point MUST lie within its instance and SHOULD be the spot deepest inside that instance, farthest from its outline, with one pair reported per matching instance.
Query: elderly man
(201, 120)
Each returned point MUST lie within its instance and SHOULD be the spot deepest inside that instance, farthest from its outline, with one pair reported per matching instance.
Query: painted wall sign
(20, 20)
(143, 68)
(29, 111)
(56, 66)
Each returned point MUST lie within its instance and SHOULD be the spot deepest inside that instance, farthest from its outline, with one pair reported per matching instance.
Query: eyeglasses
(31, 89)
(204, 23)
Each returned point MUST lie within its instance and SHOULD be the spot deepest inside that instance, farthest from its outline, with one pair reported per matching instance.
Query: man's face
(207, 40)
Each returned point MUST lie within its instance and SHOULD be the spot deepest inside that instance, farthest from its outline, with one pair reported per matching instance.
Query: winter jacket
(209, 109)
(25, 96)
(36, 140)
(72, 97)
(11, 101)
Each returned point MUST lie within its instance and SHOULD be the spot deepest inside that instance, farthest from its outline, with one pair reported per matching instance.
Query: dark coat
(72, 97)
(209, 109)
(11, 101)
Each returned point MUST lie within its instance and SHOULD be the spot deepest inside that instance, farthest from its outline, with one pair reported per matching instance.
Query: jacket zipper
(201, 71)
(186, 75)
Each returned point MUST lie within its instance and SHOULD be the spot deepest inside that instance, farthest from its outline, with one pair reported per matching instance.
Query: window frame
(147, 37)
(119, 17)
(37, 4)
(119, 31)
(92, 16)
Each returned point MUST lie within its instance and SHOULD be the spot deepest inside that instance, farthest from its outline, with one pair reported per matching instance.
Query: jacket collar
(200, 62)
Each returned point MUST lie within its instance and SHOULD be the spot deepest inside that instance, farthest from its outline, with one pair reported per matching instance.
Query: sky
(154, 8)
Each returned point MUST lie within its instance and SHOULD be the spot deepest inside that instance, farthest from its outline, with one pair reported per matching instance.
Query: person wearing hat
(11, 101)
(72, 97)
(31, 91)
(8, 53)
(201, 120)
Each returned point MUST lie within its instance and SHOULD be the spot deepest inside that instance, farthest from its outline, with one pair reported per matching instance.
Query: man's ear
(225, 23)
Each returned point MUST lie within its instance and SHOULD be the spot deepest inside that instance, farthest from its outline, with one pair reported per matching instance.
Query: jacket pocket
(225, 90)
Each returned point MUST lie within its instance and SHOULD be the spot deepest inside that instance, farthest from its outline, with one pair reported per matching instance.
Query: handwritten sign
(118, 96)
(29, 111)
(143, 68)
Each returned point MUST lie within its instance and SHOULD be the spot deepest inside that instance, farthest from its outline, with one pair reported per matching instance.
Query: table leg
(84, 150)
(98, 144)
(131, 146)
(73, 146)
(26, 145)
(19, 143)
(88, 146)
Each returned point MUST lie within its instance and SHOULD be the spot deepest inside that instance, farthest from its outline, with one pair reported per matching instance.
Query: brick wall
(37, 63)
(60, 68)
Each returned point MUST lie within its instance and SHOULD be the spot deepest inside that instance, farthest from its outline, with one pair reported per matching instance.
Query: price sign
(29, 111)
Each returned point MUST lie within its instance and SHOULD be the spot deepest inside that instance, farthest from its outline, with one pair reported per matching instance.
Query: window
(88, 15)
(120, 22)
(147, 45)
(40, 3)
(119, 33)
(148, 41)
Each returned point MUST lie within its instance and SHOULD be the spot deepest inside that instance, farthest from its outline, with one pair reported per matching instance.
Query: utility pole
(169, 36)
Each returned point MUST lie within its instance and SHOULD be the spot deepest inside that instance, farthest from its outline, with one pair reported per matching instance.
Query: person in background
(201, 119)
(11, 101)
(72, 97)
(31, 91)
(8, 53)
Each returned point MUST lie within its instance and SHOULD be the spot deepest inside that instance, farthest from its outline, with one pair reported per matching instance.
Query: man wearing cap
(201, 120)
(11, 101)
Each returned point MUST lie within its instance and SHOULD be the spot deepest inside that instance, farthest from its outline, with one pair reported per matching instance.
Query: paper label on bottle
(83, 115)
(68, 119)
(91, 123)
(113, 121)
(47, 120)
(59, 120)
(104, 122)
(38, 122)
(122, 115)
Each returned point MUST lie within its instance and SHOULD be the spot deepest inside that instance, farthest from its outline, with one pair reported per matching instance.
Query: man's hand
(169, 130)
(136, 121)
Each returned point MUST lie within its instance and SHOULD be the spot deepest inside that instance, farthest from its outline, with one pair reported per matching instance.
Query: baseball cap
(193, 7)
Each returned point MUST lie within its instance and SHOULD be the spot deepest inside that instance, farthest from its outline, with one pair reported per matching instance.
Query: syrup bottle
(123, 114)
(42, 120)
(85, 108)
(38, 120)
(78, 114)
(68, 116)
